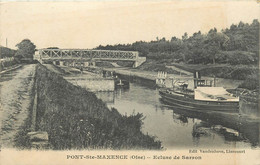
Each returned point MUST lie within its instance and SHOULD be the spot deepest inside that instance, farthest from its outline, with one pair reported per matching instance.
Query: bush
(8, 63)
(236, 57)
(230, 72)
(251, 83)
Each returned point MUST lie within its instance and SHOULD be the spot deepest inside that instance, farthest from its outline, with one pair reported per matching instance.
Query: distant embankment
(244, 76)
(249, 105)
(76, 119)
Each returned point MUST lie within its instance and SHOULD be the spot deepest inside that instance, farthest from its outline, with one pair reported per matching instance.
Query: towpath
(15, 100)
(180, 70)
(150, 75)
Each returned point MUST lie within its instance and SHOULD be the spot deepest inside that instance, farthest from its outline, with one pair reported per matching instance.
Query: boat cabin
(203, 89)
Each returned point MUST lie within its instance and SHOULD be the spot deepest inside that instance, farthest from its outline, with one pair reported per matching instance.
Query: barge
(204, 97)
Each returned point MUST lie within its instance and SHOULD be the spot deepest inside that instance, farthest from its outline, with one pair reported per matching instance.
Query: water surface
(180, 128)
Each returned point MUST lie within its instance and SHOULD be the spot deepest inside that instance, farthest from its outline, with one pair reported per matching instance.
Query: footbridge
(87, 56)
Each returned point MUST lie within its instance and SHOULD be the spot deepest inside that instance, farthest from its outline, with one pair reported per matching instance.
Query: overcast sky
(89, 24)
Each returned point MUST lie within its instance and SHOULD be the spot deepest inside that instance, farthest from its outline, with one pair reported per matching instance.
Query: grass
(251, 83)
(239, 72)
(76, 119)
(155, 66)
(248, 73)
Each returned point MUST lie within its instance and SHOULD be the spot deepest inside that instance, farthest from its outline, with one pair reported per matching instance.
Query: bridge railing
(88, 54)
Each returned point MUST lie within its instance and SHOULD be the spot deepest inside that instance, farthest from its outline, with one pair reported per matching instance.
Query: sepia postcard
(129, 82)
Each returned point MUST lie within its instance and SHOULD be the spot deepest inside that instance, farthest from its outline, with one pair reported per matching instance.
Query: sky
(89, 24)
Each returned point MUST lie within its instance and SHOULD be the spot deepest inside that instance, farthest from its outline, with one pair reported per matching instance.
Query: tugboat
(204, 97)
(121, 83)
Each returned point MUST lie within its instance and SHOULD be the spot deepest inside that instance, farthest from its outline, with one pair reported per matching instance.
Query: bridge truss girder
(87, 54)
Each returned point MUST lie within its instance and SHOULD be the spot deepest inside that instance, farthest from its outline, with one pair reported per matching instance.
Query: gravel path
(15, 100)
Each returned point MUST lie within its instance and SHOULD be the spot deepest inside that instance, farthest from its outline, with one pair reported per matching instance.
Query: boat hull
(187, 103)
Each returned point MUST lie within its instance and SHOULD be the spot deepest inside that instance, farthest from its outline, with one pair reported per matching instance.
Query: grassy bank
(75, 119)
(239, 72)
(248, 73)
(155, 66)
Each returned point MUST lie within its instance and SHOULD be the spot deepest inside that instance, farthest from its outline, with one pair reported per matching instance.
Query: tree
(185, 36)
(163, 39)
(196, 43)
(255, 22)
(26, 49)
(241, 24)
(213, 31)
(214, 43)
(174, 39)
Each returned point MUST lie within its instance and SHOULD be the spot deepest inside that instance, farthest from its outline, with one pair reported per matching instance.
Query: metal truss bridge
(83, 55)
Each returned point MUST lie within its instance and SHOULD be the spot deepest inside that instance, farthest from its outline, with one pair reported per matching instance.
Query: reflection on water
(178, 128)
(107, 97)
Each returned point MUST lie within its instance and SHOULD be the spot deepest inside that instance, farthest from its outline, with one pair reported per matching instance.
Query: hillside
(237, 42)
(229, 53)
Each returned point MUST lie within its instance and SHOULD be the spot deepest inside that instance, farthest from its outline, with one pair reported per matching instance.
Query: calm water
(180, 129)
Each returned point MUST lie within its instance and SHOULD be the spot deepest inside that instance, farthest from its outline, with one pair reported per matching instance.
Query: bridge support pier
(139, 61)
(61, 63)
(136, 64)
(54, 62)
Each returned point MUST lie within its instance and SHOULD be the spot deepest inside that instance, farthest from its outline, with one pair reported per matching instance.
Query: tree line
(26, 49)
(238, 44)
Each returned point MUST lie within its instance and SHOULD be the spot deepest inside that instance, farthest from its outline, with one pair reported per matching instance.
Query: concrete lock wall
(97, 84)
(102, 85)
